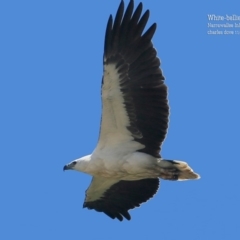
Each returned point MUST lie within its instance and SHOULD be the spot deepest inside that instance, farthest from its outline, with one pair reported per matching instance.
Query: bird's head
(79, 164)
(70, 166)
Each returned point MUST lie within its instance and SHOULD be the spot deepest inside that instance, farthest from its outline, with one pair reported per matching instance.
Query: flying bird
(126, 164)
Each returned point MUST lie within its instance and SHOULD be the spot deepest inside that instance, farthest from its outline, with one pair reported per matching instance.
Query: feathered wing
(134, 110)
(134, 96)
(115, 198)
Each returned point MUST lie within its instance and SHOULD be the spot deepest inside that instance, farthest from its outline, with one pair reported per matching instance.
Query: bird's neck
(83, 163)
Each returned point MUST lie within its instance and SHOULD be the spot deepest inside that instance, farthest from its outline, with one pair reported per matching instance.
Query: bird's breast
(131, 166)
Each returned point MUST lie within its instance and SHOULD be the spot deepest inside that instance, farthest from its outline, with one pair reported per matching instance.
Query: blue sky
(51, 69)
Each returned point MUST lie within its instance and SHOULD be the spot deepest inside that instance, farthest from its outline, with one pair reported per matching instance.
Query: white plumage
(126, 164)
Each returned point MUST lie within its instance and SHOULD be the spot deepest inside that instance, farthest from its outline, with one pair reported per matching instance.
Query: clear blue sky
(51, 69)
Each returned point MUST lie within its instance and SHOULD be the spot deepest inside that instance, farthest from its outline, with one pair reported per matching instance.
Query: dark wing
(115, 200)
(134, 95)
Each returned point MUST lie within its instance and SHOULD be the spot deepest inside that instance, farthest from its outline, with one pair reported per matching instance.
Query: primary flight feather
(126, 164)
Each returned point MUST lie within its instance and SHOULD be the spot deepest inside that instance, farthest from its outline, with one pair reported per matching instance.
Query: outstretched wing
(116, 198)
(134, 96)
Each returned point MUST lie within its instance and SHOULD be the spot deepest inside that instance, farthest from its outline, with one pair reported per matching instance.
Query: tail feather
(176, 170)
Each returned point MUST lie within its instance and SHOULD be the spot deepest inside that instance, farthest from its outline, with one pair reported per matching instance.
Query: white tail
(176, 170)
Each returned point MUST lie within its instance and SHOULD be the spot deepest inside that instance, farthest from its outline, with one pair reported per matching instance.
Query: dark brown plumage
(123, 196)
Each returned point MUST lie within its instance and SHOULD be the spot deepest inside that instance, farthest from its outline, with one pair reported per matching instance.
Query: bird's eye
(74, 163)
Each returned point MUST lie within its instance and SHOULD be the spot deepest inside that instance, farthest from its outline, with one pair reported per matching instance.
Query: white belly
(128, 166)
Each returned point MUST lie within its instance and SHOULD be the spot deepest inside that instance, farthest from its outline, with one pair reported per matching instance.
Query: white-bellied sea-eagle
(126, 164)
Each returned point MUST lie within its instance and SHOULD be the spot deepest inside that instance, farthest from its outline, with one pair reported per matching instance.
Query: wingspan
(116, 198)
(134, 96)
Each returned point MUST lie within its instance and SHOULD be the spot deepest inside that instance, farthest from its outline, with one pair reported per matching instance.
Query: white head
(79, 164)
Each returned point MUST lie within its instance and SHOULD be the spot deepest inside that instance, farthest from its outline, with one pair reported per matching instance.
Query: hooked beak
(69, 166)
(66, 167)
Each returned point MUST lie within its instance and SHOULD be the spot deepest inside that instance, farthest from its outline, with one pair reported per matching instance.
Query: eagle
(126, 164)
